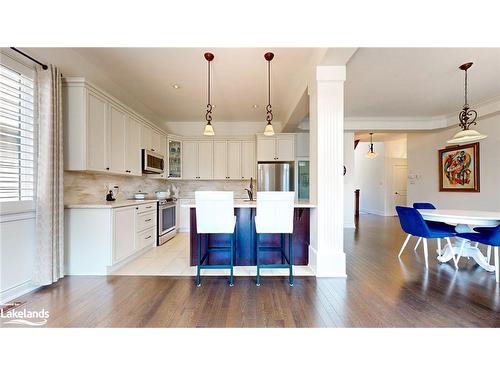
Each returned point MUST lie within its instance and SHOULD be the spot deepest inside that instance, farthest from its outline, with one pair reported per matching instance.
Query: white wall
(349, 180)
(17, 249)
(374, 177)
(423, 162)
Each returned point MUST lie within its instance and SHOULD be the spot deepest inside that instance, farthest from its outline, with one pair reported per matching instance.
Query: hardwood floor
(380, 291)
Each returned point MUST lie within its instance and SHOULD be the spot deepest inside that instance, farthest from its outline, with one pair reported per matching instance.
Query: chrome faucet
(250, 190)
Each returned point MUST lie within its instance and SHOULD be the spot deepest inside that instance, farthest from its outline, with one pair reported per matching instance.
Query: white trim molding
(17, 291)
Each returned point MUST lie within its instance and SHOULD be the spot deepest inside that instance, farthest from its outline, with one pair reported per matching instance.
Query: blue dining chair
(490, 237)
(414, 224)
(431, 224)
(485, 229)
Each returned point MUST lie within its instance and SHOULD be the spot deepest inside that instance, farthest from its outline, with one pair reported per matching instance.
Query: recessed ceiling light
(176, 86)
(255, 106)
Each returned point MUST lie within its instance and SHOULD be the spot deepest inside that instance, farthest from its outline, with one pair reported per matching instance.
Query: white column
(327, 255)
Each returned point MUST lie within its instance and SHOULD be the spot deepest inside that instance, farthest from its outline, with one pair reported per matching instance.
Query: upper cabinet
(218, 160)
(280, 147)
(103, 135)
(174, 158)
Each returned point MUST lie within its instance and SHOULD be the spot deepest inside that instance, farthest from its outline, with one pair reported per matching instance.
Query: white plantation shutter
(17, 133)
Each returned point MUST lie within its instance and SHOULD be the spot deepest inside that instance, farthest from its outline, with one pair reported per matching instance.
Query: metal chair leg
(418, 242)
(426, 254)
(290, 259)
(497, 264)
(404, 245)
(439, 246)
(257, 260)
(488, 254)
(198, 258)
(231, 277)
(452, 252)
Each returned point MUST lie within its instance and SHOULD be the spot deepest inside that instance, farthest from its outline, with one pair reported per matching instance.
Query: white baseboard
(17, 291)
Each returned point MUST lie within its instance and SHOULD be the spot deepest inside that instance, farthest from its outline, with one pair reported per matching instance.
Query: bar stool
(214, 215)
(275, 215)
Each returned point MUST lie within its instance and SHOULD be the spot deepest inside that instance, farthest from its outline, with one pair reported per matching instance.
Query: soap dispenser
(110, 197)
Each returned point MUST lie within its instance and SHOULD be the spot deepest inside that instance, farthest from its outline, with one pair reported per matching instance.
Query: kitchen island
(245, 236)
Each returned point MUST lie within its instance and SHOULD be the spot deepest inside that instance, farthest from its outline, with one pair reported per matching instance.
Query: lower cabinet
(100, 240)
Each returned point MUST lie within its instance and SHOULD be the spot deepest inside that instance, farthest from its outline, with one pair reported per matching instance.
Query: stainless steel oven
(152, 162)
(167, 220)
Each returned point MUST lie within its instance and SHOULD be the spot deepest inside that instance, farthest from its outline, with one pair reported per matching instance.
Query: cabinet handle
(137, 208)
(147, 220)
(107, 168)
(147, 237)
(149, 206)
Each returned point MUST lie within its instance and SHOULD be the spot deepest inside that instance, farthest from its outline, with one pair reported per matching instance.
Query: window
(17, 132)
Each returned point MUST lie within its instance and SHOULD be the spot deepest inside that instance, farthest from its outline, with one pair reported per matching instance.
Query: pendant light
(209, 130)
(467, 117)
(371, 154)
(269, 131)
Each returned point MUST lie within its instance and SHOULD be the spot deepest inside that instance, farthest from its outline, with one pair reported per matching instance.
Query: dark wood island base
(246, 236)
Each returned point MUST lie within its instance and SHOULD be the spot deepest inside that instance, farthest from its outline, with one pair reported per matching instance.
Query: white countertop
(109, 205)
(243, 203)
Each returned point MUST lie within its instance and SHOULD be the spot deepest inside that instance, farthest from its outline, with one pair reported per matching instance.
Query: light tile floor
(172, 259)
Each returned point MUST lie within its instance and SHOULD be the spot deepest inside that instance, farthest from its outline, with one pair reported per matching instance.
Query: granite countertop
(242, 203)
(109, 205)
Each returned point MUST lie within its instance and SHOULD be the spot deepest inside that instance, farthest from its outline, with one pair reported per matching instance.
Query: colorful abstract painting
(459, 168)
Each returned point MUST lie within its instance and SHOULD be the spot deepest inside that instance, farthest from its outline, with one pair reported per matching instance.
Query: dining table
(464, 221)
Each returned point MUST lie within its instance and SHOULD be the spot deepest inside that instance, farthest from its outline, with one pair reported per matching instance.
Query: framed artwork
(459, 168)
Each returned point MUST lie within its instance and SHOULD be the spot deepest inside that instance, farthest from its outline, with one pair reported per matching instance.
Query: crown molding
(485, 109)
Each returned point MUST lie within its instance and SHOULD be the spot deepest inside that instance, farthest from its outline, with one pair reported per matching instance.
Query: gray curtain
(49, 258)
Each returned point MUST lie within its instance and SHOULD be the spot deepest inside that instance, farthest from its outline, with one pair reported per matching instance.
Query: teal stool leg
(257, 259)
(198, 258)
(231, 277)
(290, 258)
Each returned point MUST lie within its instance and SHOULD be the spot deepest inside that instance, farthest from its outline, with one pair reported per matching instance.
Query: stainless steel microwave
(152, 162)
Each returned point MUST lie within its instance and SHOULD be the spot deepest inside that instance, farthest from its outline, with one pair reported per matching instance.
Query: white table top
(472, 217)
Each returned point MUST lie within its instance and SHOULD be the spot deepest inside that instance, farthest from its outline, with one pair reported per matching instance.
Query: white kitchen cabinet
(174, 156)
(234, 160)
(248, 162)
(280, 147)
(285, 147)
(184, 219)
(266, 149)
(123, 236)
(220, 160)
(97, 129)
(100, 240)
(146, 137)
(133, 147)
(101, 134)
(117, 131)
(205, 160)
(190, 160)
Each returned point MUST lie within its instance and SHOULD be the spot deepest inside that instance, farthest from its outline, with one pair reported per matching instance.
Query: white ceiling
(418, 82)
(239, 79)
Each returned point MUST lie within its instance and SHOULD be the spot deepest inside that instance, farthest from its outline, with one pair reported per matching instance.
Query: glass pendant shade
(209, 130)
(371, 154)
(465, 136)
(269, 131)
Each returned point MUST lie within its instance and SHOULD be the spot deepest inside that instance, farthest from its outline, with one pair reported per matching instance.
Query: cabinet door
(248, 162)
(174, 152)
(133, 147)
(189, 160)
(117, 125)
(205, 160)
(285, 147)
(96, 133)
(234, 160)
(158, 142)
(123, 232)
(265, 149)
(146, 137)
(220, 160)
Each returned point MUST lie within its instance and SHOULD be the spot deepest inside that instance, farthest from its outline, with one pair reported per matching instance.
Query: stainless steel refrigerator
(275, 176)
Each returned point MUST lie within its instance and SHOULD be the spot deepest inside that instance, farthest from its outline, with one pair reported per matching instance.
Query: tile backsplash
(83, 187)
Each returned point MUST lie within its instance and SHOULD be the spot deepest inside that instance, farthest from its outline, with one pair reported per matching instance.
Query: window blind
(17, 131)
